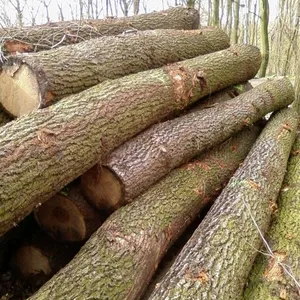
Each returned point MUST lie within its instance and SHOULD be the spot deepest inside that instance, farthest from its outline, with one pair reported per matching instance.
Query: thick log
(67, 216)
(35, 81)
(215, 263)
(44, 151)
(140, 162)
(53, 35)
(276, 275)
(4, 118)
(39, 258)
(121, 257)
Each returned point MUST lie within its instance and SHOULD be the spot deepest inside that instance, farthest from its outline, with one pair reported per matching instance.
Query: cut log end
(19, 90)
(62, 219)
(103, 188)
(31, 264)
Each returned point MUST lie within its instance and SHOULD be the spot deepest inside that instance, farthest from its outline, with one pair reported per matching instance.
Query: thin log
(140, 162)
(216, 261)
(67, 216)
(35, 81)
(44, 151)
(39, 258)
(120, 259)
(53, 35)
(276, 275)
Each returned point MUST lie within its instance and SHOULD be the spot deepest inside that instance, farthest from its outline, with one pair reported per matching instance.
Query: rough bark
(39, 258)
(4, 118)
(142, 161)
(35, 81)
(44, 151)
(215, 263)
(120, 259)
(45, 37)
(268, 279)
(67, 216)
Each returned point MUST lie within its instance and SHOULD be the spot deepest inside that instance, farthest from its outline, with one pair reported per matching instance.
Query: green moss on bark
(42, 152)
(215, 263)
(268, 279)
(120, 259)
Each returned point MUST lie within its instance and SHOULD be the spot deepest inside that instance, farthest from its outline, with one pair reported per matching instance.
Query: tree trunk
(36, 81)
(60, 143)
(136, 7)
(45, 37)
(120, 259)
(142, 161)
(214, 264)
(216, 19)
(229, 18)
(39, 258)
(235, 37)
(264, 21)
(269, 278)
(4, 118)
(68, 217)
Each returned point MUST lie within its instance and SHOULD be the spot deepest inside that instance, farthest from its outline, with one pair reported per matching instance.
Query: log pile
(121, 141)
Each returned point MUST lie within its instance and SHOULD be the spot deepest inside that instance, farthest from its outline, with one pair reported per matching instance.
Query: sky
(36, 7)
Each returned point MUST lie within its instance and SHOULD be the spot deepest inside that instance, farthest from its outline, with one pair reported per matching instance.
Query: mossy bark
(69, 70)
(37, 38)
(268, 279)
(142, 161)
(44, 151)
(215, 263)
(120, 259)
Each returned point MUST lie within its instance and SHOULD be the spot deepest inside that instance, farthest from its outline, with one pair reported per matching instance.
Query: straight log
(44, 151)
(67, 216)
(53, 35)
(276, 275)
(140, 162)
(216, 261)
(35, 81)
(121, 257)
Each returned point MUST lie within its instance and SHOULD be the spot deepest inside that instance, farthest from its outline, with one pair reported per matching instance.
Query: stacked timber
(120, 142)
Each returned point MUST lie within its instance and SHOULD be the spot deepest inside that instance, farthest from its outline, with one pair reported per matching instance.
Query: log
(39, 258)
(4, 118)
(215, 263)
(13, 238)
(140, 162)
(67, 216)
(53, 35)
(60, 143)
(35, 81)
(121, 257)
(269, 278)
